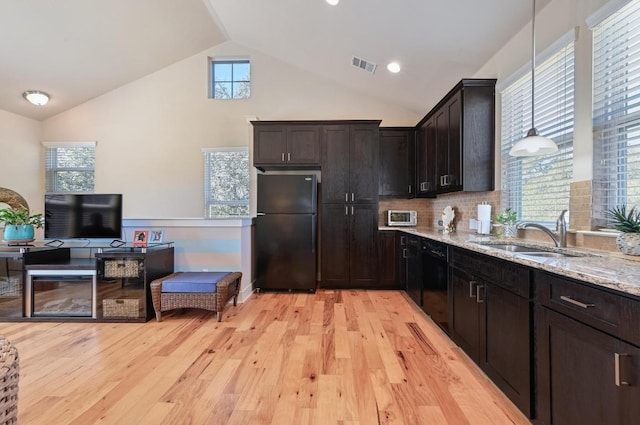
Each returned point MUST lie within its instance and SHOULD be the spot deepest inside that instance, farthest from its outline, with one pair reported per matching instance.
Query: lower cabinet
(586, 375)
(388, 266)
(490, 319)
(349, 254)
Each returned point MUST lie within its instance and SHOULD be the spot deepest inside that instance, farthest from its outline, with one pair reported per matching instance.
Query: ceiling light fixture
(394, 67)
(333, 2)
(533, 144)
(36, 97)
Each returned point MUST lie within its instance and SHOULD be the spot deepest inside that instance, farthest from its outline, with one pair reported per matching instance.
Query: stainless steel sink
(533, 252)
(514, 248)
(545, 254)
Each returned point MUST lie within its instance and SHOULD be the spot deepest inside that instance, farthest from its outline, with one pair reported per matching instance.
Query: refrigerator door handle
(260, 214)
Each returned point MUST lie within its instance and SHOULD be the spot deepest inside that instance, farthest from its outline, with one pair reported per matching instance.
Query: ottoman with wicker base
(204, 290)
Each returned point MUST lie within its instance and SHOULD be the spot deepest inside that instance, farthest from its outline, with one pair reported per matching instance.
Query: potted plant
(628, 223)
(508, 220)
(19, 224)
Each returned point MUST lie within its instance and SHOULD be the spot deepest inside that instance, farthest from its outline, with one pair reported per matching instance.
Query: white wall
(556, 19)
(150, 132)
(20, 167)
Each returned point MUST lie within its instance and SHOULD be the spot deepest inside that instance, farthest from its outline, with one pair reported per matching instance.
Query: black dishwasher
(435, 281)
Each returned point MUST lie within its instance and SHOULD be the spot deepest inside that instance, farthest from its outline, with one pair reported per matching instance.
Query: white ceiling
(79, 49)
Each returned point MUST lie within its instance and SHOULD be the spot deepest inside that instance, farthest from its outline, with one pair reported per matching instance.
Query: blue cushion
(193, 282)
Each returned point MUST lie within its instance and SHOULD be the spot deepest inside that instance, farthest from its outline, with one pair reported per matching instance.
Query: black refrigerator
(286, 228)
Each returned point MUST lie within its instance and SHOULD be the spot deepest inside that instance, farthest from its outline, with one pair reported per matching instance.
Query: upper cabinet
(456, 140)
(286, 144)
(350, 162)
(397, 162)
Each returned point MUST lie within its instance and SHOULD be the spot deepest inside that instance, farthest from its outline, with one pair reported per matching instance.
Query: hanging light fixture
(36, 97)
(533, 144)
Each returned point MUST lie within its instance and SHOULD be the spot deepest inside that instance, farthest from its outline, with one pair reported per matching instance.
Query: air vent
(363, 64)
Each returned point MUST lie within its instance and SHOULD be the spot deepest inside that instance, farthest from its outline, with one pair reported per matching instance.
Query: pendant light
(533, 144)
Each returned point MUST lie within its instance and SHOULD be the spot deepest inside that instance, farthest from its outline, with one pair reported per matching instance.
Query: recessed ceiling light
(394, 67)
(333, 2)
(36, 97)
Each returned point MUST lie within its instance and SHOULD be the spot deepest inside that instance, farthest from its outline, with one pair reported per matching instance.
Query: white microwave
(402, 218)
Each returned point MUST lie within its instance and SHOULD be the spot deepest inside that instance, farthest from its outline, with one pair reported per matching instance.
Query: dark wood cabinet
(456, 140)
(349, 254)
(350, 163)
(388, 265)
(490, 309)
(426, 159)
(401, 259)
(397, 162)
(414, 268)
(350, 204)
(283, 144)
(588, 370)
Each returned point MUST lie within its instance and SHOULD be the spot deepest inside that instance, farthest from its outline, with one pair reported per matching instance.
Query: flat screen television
(82, 216)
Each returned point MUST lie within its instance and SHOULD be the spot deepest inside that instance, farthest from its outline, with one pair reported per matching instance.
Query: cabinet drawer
(122, 268)
(476, 264)
(509, 276)
(610, 312)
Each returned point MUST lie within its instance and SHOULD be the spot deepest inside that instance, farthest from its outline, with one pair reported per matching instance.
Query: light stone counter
(601, 268)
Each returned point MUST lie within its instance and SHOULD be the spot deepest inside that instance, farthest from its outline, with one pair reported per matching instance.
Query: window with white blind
(69, 167)
(537, 188)
(226, 182)
(616, 111)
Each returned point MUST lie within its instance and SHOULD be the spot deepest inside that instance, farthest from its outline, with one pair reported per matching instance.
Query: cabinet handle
(289, 156)
(618, 380)
(405, 253)
(346, 197)
(346, 210)
(282, 157)
(575, 302)
(478, 299)
(472, 283)
(403, 240)
(409, 189)
(353, 197)
(423, 186)
(352, 210)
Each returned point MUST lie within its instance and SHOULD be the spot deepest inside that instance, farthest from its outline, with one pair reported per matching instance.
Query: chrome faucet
(559, 236)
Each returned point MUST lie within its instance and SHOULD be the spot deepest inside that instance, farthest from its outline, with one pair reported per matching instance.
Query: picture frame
(156, 235)
(140, 237)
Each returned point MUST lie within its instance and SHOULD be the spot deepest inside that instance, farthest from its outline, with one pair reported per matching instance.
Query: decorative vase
(628, 243)
(510, 230)
(18, 232)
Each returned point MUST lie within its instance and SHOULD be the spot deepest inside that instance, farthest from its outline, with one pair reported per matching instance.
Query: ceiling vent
(363, 64)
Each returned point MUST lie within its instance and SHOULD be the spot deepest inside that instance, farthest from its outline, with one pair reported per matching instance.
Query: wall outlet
(473, 224)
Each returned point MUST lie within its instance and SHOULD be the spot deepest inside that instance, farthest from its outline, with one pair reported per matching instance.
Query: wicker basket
(9, 377)
(121, 268)
(120, 307)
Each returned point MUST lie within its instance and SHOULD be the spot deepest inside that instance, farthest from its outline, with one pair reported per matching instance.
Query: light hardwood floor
(334, 357)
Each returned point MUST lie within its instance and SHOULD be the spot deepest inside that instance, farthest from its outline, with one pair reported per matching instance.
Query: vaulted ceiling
(76, 50)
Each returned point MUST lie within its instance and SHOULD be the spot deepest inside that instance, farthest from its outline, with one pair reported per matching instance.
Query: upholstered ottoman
(204, 290)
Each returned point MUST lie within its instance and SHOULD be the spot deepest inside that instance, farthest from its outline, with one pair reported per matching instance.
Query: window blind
(226, 182)
(69, 167)
(537, 188)
(616, 112)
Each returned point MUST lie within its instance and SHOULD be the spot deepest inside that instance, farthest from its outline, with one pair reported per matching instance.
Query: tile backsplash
(465, 205)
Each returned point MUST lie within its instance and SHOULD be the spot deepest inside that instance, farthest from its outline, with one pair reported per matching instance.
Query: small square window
(230, 79)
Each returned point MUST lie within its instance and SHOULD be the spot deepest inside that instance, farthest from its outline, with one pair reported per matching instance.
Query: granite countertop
(602, 268)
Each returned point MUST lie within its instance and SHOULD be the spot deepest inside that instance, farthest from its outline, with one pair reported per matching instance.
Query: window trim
(207, 184)
(212, 82)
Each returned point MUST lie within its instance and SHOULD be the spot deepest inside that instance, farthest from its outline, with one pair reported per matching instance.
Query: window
(226, 182)
(537, 188)
(69, 167)
(616, 112)
(230, 79)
